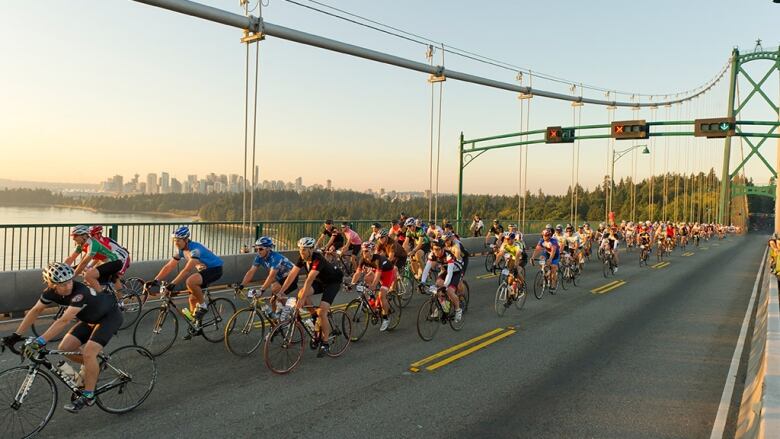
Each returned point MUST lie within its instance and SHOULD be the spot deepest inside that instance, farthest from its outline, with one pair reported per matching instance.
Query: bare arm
(63, 322)
(188, 268)
(30, 317)
(166, 269)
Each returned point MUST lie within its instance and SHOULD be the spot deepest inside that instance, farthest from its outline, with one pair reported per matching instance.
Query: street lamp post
(617, 155)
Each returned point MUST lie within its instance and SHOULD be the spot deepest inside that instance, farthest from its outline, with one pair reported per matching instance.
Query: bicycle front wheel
(283, 347)
(564, 277)
(340, 332)
(539, 285)
(215, 320)
(395, 311)
(359, 314)
(489, 259)
(131, 307)
(127, 377)
(26, 418)
(501, 303)
(245, 331)
(406, 290)
(156, 330)
(428, 320)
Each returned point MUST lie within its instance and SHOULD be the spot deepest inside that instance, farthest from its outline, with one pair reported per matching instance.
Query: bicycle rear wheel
(156, 330)
(359, 314)
(127, 377)
(522, 295)
(245, 331)
(464, 296)
(395, 311)
(489, 259)
(405, 290)
(539, 285)
(283, 347)
(428, 320)
(340, 332)
(215, 320)
(457, 326)
(37, 408)
(564, 277)
(131, 307)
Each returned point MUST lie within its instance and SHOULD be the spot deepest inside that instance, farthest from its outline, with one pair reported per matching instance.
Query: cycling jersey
(644, 238)
(326, 272)
(98, 251)
(94, 306)
(670, 232)
(515, 250)
(275, 261)
(496, 230)
(551, 246)
(570, 240)
(377, 262)
(417, 237)
(453, 264)
(121, 253)
(196, 250)
(352, 236)
(338, 238)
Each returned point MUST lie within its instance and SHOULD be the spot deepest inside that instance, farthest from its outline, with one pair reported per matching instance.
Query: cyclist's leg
(74, 339)
(100, 336)
(194, 282)
(329, 292)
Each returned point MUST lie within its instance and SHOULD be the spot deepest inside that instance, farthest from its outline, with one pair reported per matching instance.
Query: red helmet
(95, 230)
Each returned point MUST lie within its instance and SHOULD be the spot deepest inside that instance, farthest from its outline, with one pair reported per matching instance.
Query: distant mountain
(53, 186)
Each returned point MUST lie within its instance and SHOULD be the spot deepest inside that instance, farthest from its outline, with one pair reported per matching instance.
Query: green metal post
(113, 232)
(725, 183)
(459, 213)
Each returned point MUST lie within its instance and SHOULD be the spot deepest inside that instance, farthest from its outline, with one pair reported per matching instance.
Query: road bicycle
(283, 347)
(28, 393)
(246, 328)
(543, 280)
(438, 310)
(510, 291)
(608, 266)
(366, 308)
(157, 329)
(405, 284)
(341, 261)
(644, 254)
(568, 270)
(490, 258)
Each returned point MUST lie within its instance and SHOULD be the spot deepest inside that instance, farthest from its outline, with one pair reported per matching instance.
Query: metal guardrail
(31, 246)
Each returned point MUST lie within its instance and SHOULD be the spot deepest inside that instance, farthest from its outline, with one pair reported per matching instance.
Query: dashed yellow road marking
(470, 350)
(608, 287)
(415, 367)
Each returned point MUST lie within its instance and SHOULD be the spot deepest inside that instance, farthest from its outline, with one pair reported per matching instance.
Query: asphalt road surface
(647, 358)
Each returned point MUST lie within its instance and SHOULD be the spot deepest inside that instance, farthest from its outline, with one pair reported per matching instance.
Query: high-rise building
(151, 184)
(192, 183)
(142, 187)
(328, 184)
(175, 186)
(165, 183)
(118, 183)
(299, 184)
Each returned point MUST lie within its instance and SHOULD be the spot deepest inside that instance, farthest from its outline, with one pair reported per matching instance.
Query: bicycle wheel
(464, 296)
(340, 332)
(522, 295)
(539, 285)
(127, 377)
(501, 303)
(156, 330)
(131, 307)
(135, 285)
(405, 290)
(457, 326)
(605, 268)
(283, 347)
(360, 316)
(395, 311)
(489, 259)
(215, 320)
(564, 277)
(44, 321)
(245, 331)
(37, 408)
(428, 320)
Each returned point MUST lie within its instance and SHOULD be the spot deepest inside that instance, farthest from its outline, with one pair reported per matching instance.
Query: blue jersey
(551, 246)
(275, 261)
(196, 250)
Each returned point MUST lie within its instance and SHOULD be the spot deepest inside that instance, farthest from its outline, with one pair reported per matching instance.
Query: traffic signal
(559, 135)
(630, 129)
(715, 128)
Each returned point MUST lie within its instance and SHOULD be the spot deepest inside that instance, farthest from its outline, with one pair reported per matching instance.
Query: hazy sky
(95, 88)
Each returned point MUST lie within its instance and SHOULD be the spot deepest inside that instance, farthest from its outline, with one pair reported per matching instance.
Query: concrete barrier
(19, 290)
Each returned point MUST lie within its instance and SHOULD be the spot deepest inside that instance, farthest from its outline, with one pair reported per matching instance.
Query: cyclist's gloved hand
(33, 345)
(11, 340)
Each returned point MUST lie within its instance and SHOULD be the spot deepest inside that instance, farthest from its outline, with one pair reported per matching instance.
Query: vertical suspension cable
(525, 147)
(577, 167)
(429, 55)
(246, 134)
(254, 142)
(520, 163)
(651, 187)
(438, 146)
(610, 151)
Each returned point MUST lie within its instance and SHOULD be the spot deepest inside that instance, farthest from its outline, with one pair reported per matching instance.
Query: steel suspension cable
(438, 146)
(254, 141)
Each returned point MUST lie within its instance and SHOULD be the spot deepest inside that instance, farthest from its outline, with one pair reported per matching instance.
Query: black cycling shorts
(400, 263)
(100, 332)
(355, 249)
(210, 275)
(109, 271)
(328, 291)
(456, 276)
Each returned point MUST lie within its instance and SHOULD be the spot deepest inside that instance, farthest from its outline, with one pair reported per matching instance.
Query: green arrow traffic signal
(724, 126)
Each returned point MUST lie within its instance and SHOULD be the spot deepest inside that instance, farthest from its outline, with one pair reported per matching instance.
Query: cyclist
(417, 244)
(495, 231)
(98, 318)
(609, 242)
(572, 243)
(278, 267)
(449, 277)
(375, 228)
(105, 263)
(644, 239)
(331, 236)
(383, 271)
(96, 232)
(552, 255)
(322, 278)
(352, 242)
(207, 269)
(391, 249)
(517, 256)
(558, 234)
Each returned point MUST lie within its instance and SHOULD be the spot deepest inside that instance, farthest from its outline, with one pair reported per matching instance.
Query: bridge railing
(31, 246)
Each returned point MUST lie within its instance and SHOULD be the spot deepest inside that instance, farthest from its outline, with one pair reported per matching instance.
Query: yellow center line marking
(662, 264)
(430, 358)
(688, 254)
(610, 288)
(486, 276)
(470, 350)
(597, 289)
(704, 248)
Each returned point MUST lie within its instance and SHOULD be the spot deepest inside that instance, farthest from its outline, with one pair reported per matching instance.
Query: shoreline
(193, 218)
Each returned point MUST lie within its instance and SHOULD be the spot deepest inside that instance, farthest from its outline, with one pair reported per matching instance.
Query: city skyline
(328, 116)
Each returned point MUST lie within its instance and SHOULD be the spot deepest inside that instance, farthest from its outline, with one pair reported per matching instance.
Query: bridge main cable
(258, 25)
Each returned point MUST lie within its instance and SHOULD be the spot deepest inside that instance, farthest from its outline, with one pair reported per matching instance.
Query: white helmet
(79, 230)
(409, 222)
(306, 242)
(57, 273)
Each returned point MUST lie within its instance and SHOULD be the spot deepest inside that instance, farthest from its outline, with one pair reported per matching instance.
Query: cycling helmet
(306, 242)
(265, 241)
(569, 228)
(329, 222)
(383, 233)
(377, 225)
(182, 232)
(79, 230)
(495, 221)
(548, 226)
(437, 243)
(558, 228)
(95, 230)
(367, 245)
(57, 273)
(409, 222)
(510, 236)
(512, 226)
(449, 235)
